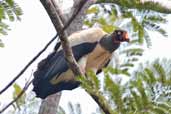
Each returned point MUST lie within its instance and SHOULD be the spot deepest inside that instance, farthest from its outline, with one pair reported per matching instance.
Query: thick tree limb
(47, 106)
(24, 69)
(50, 8)
(59, 11)
(34, 58)
(68, 52)
(78, 22)
(50, 104)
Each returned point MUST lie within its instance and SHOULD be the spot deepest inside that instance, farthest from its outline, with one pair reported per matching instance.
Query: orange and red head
(120, 36)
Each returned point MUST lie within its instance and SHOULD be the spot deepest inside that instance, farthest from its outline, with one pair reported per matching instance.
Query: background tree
(138, 27)
(121, 14)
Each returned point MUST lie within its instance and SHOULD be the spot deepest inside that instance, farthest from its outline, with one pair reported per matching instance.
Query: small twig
(46, 46)
(19, 95)
(101, 101)
(57, 8)
(54, 16)
(29, 63)
(49, 6)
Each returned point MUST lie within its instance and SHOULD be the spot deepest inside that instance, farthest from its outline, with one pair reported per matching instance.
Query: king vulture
(92, 49)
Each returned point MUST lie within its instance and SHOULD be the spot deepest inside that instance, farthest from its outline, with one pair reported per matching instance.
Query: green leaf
(141, 34)
(94, 80)
(133, 51)
(92, 10)
(161, 72)
(150, 75)
(163, 32)
(1, 43)
(85, 83)
(115, 71)
(137, 101)
(2, 14)
(147, 39)
(137, 4)
(9, 10)
(115, 92)
(108, 28)
(102, 21)
(159, 110)
(10, 15)
(155, 19)
(127, 65)
(88, 23)
(17, 91)
(10, 2)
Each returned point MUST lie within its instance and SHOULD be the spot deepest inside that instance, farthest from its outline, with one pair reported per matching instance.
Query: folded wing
(55, 65)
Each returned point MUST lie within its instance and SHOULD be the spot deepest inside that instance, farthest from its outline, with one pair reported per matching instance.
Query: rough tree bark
(50, 104)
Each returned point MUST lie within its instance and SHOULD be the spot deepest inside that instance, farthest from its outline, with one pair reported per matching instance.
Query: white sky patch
(30, 35)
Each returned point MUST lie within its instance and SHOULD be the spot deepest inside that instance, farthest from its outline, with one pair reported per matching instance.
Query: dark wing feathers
(53, 65)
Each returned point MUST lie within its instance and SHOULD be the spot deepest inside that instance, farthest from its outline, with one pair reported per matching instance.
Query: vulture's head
(120, 36)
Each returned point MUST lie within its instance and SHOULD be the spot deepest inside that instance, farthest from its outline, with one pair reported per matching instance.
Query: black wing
(54, 65)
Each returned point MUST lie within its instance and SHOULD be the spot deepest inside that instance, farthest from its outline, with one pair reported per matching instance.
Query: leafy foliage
(9, 11)
(137, 22)
(27, 104)
(17, 91)
(1, 44)
(134, 16)
(138, 4)
(129, 15)
(147, 91)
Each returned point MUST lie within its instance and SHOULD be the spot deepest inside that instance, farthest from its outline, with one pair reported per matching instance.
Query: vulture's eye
(119, 33)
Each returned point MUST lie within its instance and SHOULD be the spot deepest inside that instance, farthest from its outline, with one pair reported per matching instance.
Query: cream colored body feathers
(88, 35)
(93, 61)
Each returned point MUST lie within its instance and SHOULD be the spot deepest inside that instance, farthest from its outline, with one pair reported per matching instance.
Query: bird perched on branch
(92, 49)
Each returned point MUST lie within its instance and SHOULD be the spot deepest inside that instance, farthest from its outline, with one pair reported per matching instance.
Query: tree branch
(50, 104)
(68, 53)
(19, 95)
(78, 22)
(50, 8)
(28, 64)
(59, 11)
(46, 46)
(25, 68)
(67, 50)
(101, 101)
